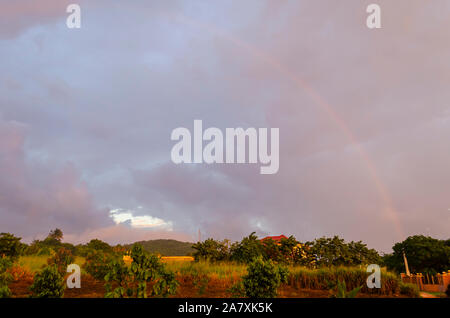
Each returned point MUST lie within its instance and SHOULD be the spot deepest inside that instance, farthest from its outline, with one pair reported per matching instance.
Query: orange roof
(274, 238)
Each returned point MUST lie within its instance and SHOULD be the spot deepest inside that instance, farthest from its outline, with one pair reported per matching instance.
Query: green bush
(246, 250)
(10, 246)
(62, 258)
(410, 290)
(5, 277)
(132, 281)
(48, 283)
(97, 263)
(263, 279)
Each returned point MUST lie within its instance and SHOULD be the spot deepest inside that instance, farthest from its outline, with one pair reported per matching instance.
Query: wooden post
(406, 265)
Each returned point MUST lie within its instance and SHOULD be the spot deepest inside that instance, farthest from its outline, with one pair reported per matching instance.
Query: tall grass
(324, 278)
(221, 270)
(35, 263)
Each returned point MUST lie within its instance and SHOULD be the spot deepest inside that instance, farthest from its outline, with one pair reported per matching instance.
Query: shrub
(263, 279)
(341, 291)
(410, 290)
(48, 283)
(5, 276)
(10, 246)
(62, 258)
(132, 281)
(19, 273)
(96, 264)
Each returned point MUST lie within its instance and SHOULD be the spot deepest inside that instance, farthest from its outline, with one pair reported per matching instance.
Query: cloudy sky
(86, 116)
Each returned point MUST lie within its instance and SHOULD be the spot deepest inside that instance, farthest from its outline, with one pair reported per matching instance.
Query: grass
(326, 278)
(221, 270)
(35, 263)
(299, 277)
(438, 294)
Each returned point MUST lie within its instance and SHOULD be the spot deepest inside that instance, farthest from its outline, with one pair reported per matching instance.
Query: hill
(167, 247)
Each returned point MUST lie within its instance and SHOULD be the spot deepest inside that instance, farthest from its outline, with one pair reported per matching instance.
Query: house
(276, 239)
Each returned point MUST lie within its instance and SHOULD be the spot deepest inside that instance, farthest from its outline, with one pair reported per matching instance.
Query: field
(202, 279)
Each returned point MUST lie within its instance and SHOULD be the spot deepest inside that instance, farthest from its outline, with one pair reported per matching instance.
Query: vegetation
(5, 277)
(321, 252)
(341, 291)
(212, 250)
(410, 290)
(132, 281)
(251, 267)
(48, 283)
(425, 255)
(326, 278)
(97, 264)
(62, 258)
(263, 279)
(10, 246)
(166, 247)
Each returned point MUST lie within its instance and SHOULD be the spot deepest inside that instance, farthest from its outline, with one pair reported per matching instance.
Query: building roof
(274, 238)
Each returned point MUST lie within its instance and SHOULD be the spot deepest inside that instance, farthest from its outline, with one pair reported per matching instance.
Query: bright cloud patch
(141, 221)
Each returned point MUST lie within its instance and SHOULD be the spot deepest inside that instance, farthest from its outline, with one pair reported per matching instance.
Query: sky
(86, 117)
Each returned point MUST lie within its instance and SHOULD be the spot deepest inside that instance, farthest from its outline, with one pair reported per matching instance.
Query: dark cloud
(363, 117)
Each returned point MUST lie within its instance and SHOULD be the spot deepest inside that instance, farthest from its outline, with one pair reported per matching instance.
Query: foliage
(272, 250)
(335, 252)
(62, 258)
(5, 276)
(424, 254)
(247, 250)
(319, 279)
(166, 247)
(132, 281)
(48, 283)
(19, 273)
(341, 291)
(211, 250)
(10, 245)
(99, 245)
(263, 278)
(410, 290)
(56, 234)
(97, 264)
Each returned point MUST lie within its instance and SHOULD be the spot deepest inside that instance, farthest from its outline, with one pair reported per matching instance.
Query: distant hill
(167, 247)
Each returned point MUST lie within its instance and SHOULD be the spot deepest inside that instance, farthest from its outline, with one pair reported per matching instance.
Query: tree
(10, 246)
(99, 245)
(56, 234)
(272, 250)
(287, 248)
(336, 252)
(424, 254)
(211, 250)
(248, 249)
